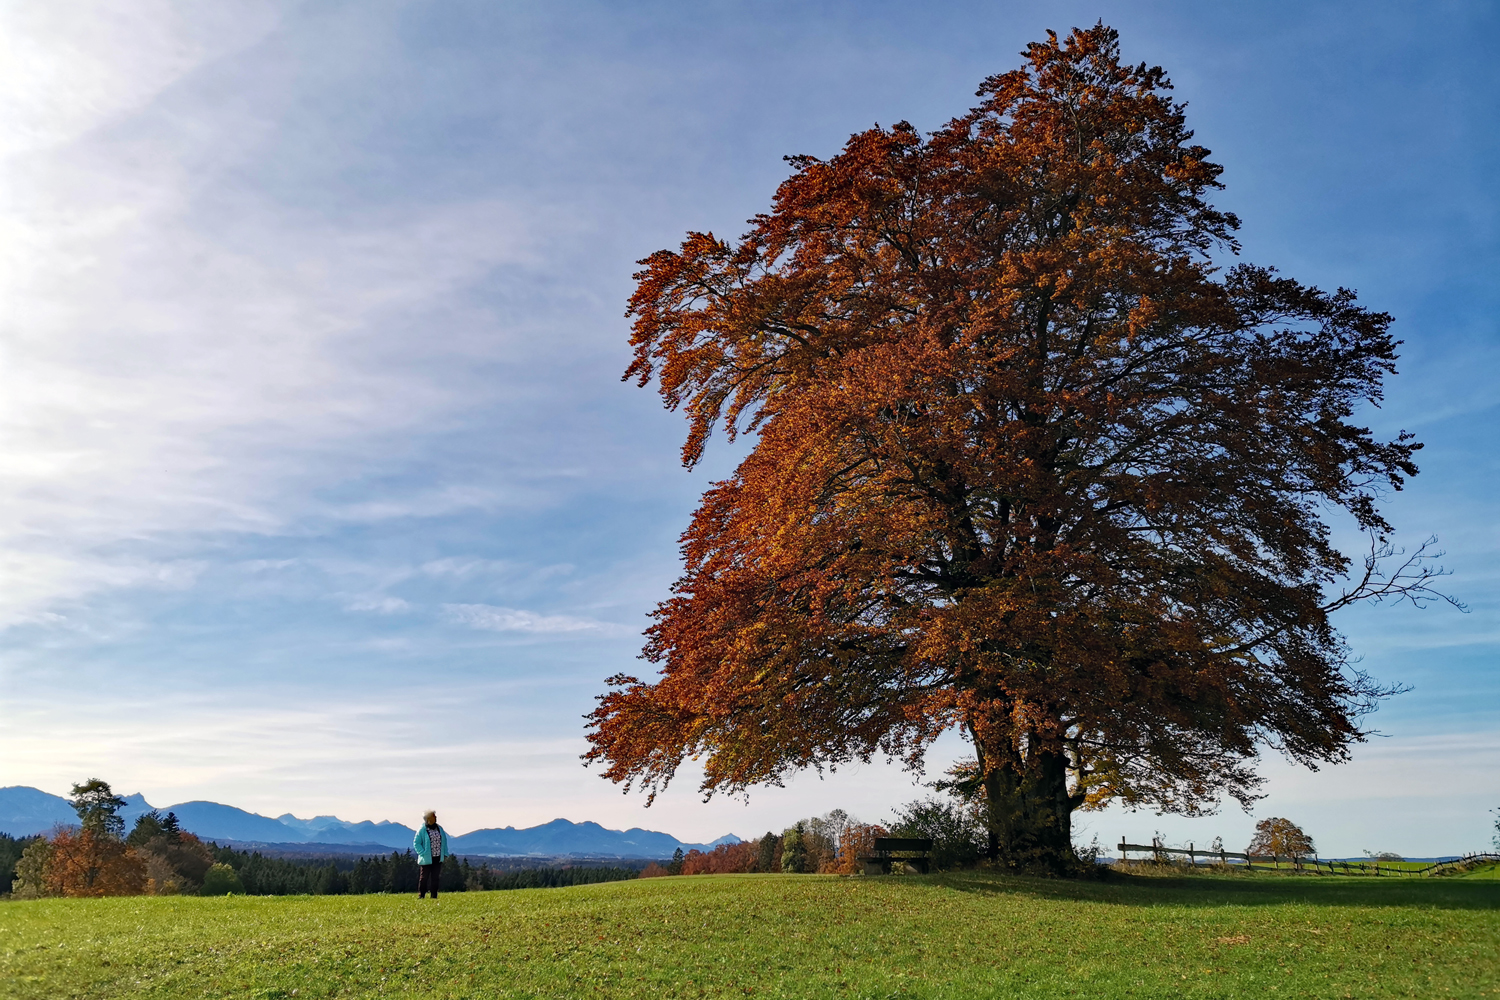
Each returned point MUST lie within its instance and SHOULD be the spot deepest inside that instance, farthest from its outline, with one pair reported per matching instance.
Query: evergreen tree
(98, 808)
(331, 882)
(766, 859)
(794, 850)
(676, 866)
(451, 879)
(148, 826)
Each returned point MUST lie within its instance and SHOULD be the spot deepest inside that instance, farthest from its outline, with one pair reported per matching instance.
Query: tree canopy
(98, 808)
(1281, 837)
(1029, 461)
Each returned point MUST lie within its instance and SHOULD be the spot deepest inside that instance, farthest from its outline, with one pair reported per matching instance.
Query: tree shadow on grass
(1211, 890)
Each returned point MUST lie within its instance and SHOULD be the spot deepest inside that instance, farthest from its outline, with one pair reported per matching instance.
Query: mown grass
(960, 935)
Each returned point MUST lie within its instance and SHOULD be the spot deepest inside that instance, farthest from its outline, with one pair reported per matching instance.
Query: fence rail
(1160, 852)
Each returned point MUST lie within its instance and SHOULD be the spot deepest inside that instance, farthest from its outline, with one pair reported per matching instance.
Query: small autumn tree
(1030, 462)
(89, 862)
(1280, 837)
(856, 840)
(176, 862)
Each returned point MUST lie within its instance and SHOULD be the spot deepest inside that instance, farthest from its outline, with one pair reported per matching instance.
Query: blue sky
(322, 493)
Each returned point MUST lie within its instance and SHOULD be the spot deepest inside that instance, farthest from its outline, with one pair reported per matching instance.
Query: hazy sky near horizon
(321, 492)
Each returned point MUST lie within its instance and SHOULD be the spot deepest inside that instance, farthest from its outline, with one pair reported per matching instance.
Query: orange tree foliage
(1029, 463)
(724, 859)
(1280, 837)
(90, 862)
(855, 840)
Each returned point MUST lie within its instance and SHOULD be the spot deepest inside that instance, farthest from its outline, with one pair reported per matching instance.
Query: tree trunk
(1031, 812)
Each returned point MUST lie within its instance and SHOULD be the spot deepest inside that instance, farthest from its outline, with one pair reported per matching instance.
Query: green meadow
(969, 934)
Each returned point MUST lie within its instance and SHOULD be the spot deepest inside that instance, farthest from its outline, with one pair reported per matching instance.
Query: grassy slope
(966, 935)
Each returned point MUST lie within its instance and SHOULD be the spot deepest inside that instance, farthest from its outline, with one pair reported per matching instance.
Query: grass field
(960, 935)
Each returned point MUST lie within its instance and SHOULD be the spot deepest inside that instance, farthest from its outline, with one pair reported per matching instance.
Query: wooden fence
(1162, 853)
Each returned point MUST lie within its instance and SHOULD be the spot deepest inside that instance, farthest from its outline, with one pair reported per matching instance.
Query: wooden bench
(912, 851)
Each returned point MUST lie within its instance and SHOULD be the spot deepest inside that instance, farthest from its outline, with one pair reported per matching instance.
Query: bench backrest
(884, 844)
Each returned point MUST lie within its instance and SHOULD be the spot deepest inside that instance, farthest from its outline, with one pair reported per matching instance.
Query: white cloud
(496, 619)
(463, 568)
(168, 370)
(473, 756)
(379, 605)
(428, 503)
(66, 68)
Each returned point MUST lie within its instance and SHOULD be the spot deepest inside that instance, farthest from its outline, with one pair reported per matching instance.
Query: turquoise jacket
(422, 844)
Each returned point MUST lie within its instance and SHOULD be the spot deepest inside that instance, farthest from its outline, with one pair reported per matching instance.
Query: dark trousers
(427, 878)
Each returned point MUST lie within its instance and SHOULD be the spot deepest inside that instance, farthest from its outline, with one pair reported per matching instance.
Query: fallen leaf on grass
(1236, 939)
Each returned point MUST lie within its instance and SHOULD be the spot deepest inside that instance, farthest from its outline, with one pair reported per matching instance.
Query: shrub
(955, 829)
(220, 880)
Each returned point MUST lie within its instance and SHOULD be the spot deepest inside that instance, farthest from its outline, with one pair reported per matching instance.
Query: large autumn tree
(1029, 461)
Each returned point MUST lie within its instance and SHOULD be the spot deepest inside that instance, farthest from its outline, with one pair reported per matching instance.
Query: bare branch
(1412, 580)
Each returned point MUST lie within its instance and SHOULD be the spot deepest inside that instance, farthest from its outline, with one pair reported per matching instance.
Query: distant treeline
(259, 875)
(159, 858)
(833, 844)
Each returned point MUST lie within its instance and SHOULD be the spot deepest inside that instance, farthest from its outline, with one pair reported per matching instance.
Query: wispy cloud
(231, 358)
(490, 618)
(380, 605)
(68, 68)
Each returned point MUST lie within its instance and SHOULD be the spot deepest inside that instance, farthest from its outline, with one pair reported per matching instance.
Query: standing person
(431, 845)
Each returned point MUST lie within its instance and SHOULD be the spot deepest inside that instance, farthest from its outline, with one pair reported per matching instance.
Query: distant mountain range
(26, 811)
